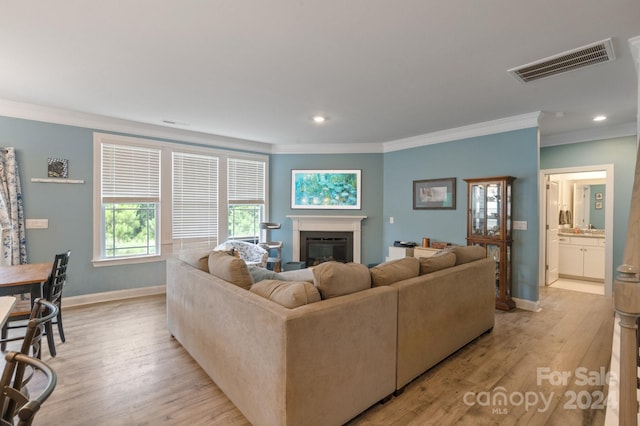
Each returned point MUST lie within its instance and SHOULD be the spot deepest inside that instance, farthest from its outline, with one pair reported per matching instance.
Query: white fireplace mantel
(327, 223)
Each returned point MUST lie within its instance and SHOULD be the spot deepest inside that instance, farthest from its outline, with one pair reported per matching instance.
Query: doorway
(576, 228)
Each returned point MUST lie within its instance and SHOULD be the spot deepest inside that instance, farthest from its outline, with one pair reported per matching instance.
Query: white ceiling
(381, 70)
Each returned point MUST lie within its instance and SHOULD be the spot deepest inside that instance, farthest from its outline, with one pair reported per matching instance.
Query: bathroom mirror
(588, 206)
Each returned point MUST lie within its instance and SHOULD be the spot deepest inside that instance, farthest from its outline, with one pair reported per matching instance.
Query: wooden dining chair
(52, 292)
(43, 312)
(20, 405)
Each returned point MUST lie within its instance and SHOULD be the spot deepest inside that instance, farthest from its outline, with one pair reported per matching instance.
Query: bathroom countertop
(598, 234)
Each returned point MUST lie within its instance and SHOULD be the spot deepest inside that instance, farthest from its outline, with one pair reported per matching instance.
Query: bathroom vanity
(582, 255)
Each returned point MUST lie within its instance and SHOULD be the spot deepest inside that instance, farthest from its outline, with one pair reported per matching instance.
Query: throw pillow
(196, 258)
(394, 270)
(466, 254)
(259, 274)
(289, 294)
(437, 262)
(230, 252)
(335, 279)
(230, 268)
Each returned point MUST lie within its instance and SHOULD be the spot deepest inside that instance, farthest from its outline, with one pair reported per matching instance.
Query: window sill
(98, 263)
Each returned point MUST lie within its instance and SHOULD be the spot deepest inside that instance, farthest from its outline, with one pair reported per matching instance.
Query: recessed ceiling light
(319, 119)
(599, 118)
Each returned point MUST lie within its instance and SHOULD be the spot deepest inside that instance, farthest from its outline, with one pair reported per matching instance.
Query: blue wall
(387, 191)
(511, 153)
(69, 207)
(621, 152)
(372, 197)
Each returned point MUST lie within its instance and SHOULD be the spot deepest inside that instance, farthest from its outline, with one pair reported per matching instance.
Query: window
(195, 197)
(130, 196)
(153, 197)
(246, 198)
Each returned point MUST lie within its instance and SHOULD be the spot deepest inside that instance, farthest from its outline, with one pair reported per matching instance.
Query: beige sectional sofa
(347, 341)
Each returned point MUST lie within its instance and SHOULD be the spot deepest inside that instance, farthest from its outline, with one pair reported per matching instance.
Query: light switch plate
(37, 223)
(520, 225)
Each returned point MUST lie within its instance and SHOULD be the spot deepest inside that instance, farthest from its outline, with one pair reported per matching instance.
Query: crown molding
(598, 133)
(506, 124)
(103, 123)
(99, 122)
(333, 148)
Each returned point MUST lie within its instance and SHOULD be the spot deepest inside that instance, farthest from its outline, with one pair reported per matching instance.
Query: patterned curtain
(13, 250)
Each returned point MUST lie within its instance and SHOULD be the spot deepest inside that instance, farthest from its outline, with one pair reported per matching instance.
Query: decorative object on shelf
(440, 245)
(490, 225)
(432, 194)
(57, 168)
(326, 189)
(404, 244)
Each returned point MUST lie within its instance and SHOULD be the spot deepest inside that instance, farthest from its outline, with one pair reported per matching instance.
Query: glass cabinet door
(493, 210)
(478, 203)
(508, 228)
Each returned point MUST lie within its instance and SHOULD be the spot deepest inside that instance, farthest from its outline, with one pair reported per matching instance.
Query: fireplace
(317, 247)
(305, 223)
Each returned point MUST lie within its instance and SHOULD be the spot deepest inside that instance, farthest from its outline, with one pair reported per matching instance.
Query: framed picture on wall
(326, 189)
(432, 194)
(598, 204)
(57, 168)
(598, 195)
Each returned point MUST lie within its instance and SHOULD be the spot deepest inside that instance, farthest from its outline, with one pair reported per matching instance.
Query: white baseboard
(108, 296)
(527, 305)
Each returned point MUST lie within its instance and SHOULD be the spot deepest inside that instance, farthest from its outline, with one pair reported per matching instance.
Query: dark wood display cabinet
(489, 225)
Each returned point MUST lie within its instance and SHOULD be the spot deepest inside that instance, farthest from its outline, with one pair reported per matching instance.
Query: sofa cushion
(394, 270)
(289, 294)
(305, 274)
(335, 279)
(466, 254)
(435, 263)
(196, 258)
(259, 274)
(230, 268)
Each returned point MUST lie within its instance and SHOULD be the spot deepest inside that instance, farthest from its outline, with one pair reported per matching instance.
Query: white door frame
(608, 220)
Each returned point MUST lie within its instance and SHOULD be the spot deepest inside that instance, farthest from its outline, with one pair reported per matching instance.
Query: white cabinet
(582, 257)
(571, 260)
(399, 252)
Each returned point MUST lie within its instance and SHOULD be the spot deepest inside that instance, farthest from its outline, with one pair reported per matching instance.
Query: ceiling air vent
(581, 57)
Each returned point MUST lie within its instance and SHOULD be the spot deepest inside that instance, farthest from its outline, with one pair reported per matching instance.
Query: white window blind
(130, 174)
(195, 196)
(246, 181)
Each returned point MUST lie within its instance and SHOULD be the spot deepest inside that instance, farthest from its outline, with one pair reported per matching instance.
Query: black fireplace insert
(317, 247)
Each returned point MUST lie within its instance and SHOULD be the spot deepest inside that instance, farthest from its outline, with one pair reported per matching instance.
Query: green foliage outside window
(130, 229)
(244, 221)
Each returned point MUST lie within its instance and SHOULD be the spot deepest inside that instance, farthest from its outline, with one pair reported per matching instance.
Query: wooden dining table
(6, 305)
(25, 278)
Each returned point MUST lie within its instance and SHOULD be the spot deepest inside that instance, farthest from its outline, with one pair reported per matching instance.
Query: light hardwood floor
(120, 366)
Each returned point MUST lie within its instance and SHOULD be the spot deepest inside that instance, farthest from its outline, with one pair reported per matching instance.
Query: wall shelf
(56, 180)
